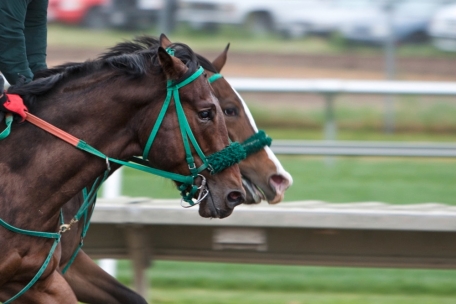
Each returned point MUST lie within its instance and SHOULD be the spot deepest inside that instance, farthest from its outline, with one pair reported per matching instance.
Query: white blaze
(272, 157)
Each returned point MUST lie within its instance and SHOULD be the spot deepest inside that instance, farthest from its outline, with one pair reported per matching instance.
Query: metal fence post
(330, 124)
(112, 188)
(390, 65)
(138, 249)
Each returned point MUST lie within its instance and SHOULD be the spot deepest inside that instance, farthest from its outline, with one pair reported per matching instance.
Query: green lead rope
(86, 211)
(49, 235)
(7, 131)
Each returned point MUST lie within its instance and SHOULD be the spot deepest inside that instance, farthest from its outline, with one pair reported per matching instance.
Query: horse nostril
(235, 198)
(279, 182)
(278, 179)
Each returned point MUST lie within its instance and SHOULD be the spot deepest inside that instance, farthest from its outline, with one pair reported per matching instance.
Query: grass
(196, 296)
(191, 282)
(395, 181)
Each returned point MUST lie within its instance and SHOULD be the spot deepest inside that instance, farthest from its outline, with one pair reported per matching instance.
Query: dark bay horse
(112, 104)
(262, 173)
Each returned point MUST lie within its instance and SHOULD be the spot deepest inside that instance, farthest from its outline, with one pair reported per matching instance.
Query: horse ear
(172, 66)
(220, 61)
(164, 41)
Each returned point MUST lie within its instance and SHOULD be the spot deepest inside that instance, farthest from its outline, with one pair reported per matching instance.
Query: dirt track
(302, 66)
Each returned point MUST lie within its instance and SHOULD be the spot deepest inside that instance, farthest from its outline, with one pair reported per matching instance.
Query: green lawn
(191, 282)
(396, 181)
(205, 296)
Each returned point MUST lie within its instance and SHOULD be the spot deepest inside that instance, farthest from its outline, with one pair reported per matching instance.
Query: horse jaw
(279, 179)
(221, 201)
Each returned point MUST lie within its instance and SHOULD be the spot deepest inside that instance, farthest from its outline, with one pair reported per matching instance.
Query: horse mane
(144, 43)
(130, 59)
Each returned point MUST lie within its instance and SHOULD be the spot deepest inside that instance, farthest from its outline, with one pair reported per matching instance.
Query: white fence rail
(337, 86)
(363, 148)
(331, 87)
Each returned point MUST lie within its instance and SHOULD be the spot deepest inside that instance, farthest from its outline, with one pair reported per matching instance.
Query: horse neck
(40, 173)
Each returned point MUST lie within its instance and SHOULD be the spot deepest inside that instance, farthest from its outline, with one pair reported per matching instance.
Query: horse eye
(230, 112)
(205, 115)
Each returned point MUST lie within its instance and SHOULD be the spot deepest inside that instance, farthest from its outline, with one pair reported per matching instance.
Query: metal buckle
(108, 165)
(203, 192)
(65, 227)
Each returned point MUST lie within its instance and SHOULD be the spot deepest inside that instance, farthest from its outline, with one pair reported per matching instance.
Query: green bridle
(188, 187)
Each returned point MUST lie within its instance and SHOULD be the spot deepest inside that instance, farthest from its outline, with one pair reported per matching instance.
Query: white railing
(363, 148)
(338, 86)
(331, 87)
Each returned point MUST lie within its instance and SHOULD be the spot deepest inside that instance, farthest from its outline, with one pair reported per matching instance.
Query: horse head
(206, 120)
(115, 103)
(263, 175)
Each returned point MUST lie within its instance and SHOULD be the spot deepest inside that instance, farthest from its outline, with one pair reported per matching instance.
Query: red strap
(52, 129)
(15, 104)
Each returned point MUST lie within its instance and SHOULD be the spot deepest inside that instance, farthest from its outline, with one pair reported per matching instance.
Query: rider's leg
(36, 34)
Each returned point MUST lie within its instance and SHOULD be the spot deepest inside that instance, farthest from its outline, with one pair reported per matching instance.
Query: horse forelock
(186, 55)
(206, 64)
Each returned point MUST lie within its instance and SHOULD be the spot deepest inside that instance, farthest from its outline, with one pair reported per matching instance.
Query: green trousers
(23, 38)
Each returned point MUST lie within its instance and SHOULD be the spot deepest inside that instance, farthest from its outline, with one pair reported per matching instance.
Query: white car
(442, 28)
(258, 16)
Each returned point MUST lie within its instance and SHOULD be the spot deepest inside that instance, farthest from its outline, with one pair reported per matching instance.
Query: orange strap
(52, 129)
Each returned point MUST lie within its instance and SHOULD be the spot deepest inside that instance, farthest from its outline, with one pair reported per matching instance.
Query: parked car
(105, 13)
(258, 16)
(84, 12)
(442, 28)
(410, 20)
(330, 16)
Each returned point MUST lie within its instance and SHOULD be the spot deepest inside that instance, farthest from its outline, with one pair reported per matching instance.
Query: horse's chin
(253, 194)
(207, 209)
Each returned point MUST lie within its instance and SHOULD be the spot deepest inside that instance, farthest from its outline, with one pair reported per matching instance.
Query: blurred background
(408, 40)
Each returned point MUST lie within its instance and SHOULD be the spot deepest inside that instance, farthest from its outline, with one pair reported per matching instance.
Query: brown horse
(112, 104)
(263, 176)
(262, 173)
